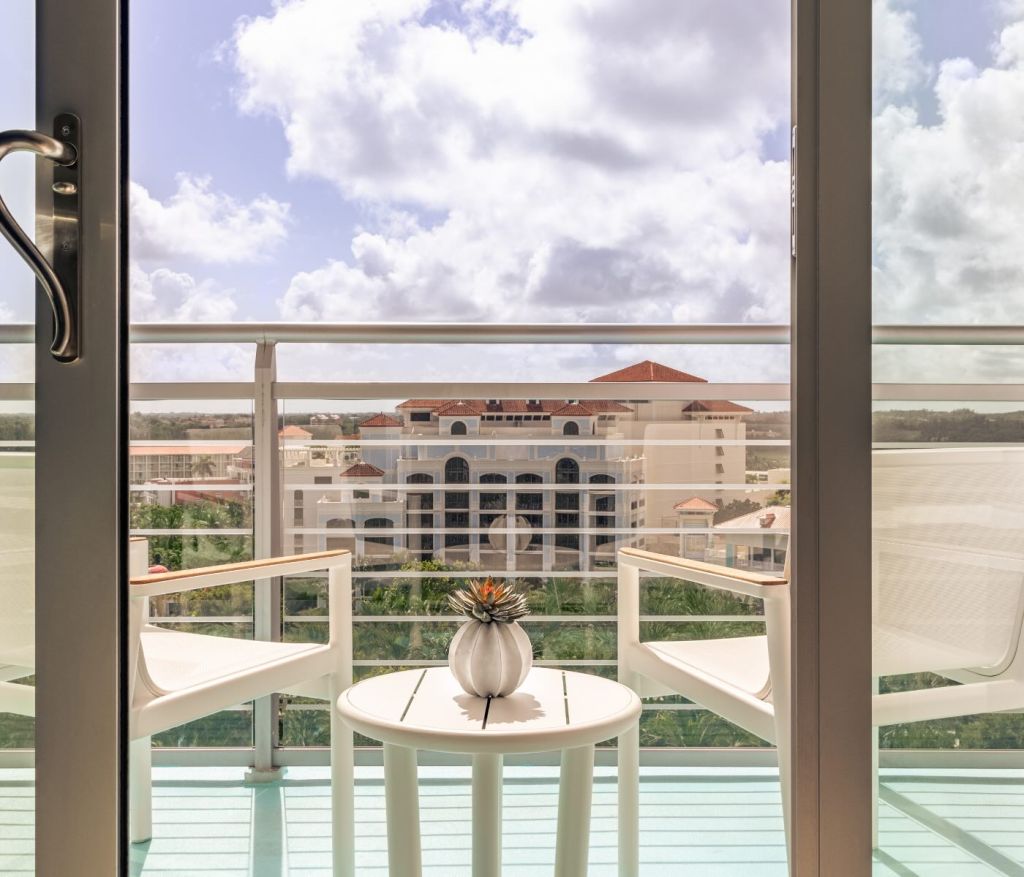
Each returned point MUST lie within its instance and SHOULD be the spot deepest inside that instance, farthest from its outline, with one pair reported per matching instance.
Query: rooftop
(649, 371)
(774, 517)
(695, 504)
(380, 420)
(362, 470)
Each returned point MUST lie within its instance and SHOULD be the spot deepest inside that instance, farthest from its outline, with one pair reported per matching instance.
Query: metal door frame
(831, 405)
(81, 416)
(81, 466)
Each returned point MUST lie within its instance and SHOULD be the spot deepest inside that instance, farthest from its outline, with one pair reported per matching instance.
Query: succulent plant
(487, 602)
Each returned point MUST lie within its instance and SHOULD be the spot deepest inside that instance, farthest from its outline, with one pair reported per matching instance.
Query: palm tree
(204, 467)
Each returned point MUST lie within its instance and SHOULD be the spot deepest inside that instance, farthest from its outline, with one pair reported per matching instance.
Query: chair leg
(783, 748)
(140, 789)
(874, 788)
(343, 788)
(629, 802)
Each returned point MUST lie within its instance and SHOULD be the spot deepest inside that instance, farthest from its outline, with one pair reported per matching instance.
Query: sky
(522, 160)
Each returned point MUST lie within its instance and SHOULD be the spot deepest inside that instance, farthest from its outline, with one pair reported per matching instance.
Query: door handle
(59, 275)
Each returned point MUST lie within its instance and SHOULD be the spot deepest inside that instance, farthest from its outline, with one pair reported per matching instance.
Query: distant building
(563, 494)
(764, 549)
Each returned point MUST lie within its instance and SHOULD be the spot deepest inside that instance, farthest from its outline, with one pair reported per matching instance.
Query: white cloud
(165, 295)
(529, 160)
(197, 222)
(947, 197)
(173, 296)
(897, 65)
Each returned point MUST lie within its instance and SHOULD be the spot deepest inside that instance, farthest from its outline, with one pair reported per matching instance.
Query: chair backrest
(948, 558)
(17, 559)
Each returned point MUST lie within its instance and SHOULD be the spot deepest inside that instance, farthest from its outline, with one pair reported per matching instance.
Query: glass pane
(486, 163)
(948, 463)
(17, 459)
(191, 498)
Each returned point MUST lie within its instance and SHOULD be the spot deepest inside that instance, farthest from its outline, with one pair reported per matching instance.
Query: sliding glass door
(62, 449)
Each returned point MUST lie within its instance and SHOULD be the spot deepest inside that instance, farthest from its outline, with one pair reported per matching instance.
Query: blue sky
(519, 160)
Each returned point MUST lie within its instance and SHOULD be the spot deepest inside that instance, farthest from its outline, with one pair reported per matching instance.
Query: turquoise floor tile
(699, 822)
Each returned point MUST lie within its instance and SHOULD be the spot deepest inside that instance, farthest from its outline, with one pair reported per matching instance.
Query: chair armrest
(722, 578)
(155, 584)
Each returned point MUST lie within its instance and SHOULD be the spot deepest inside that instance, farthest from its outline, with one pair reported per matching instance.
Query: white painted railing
(265, 392)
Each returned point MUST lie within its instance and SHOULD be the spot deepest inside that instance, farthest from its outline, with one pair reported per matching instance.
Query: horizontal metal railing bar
(527, 441)
(192, 531)
(610, 618)
(201, 619)
(608, 574)
(542, 487)
(463, 531)
(452, 619)
(481, 531)
(526, 333)
(184, 442)
(192, 390)
(438, 333)
(653, 707)
(460, 389)
(961, 392)
(420, 662)
(151, 487)
(377, 391)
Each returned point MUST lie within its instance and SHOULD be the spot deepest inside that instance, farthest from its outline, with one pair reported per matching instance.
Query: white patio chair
(179, 677)
(947, 598)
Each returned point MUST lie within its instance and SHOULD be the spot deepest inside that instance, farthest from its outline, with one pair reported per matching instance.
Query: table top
(427, 709)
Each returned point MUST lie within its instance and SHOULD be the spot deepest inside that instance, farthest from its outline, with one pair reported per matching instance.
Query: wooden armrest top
(740, 575)
(254, 565)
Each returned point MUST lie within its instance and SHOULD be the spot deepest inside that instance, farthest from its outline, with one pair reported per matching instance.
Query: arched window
(492, 501)
(601, 478)
(380, 524)
(456, 471)
(567, 471)
(419, 478)
(338, 543)
(341, 523)
(458, 428)
(571, 427)
(530, 502)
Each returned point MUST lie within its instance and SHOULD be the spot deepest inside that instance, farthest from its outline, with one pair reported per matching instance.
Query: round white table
(426, 709)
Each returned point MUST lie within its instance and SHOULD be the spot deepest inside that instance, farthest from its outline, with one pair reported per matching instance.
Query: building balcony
(704, 783)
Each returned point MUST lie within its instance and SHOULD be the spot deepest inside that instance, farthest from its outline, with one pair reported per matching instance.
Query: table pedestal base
(487, 815)
(575, 794)
(402, 801)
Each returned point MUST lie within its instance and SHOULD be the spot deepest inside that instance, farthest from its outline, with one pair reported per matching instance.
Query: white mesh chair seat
(175, 661)
(741, 662)
(896, 651)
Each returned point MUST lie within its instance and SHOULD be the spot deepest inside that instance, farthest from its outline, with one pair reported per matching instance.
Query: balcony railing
(563, 549)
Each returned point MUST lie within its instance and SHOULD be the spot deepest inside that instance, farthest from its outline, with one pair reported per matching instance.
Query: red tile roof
(362, 470)
(695, 504)
(717, 405)
(295, 432)
(647, 371)
(574, 409)
(381, 420)
(461, 409)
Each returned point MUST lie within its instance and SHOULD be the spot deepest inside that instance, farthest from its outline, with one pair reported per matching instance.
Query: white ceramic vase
(490, 659)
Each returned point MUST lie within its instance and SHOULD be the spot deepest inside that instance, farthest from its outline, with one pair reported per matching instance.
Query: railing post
(266, 543)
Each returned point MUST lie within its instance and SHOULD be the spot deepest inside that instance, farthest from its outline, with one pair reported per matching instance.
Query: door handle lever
(59, 275)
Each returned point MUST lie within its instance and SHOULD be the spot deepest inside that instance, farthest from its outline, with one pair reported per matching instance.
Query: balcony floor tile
(723, 822)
